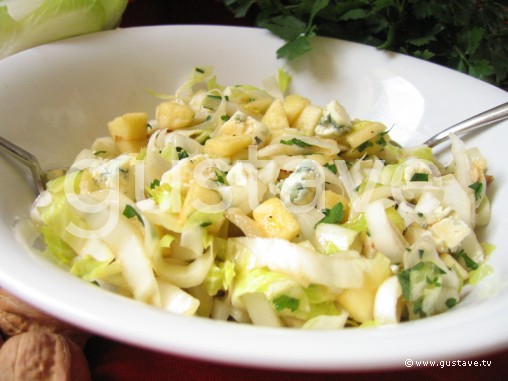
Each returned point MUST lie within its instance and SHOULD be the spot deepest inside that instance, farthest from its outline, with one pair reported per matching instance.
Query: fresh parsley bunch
(468, 35)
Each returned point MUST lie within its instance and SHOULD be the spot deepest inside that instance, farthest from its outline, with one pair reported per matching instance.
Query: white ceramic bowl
(55, 99)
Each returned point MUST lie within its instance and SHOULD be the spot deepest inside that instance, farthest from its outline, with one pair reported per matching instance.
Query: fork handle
(27, 159)
(484, 119)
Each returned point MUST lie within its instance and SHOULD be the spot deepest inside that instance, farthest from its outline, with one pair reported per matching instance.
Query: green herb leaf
(381, 140)
(420, 177)
(434, 282)
(478, 189)
(467, 260)
(451, 302)
(220, 177)
(362, 147)
(295, 48)
(332, 167)
(282, 302)
(240, 8)
(182, 154)
(418, 306)
(130, 212)
(296, 142)
(404, 278)
(467, 36)
(334, 215)
(287, 27)
(155, 183)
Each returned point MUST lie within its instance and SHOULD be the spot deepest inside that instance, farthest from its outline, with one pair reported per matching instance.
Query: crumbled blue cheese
(185, 171)
(242, 124)
(297, 188)
(335, 121)
(116, 173)
(242, 174)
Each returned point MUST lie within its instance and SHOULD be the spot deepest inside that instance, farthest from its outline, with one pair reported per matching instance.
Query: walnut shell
(39, 356)
(17, 317)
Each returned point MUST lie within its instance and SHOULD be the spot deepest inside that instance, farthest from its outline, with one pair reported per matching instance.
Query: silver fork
(40, 176)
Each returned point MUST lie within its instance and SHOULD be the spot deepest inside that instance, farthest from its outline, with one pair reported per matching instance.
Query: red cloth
(113, 361)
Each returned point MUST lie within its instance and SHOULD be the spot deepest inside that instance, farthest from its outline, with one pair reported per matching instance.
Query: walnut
(17, 317)
(39, 356)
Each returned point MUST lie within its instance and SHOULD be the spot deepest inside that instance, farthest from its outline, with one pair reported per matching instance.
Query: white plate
(55, 99)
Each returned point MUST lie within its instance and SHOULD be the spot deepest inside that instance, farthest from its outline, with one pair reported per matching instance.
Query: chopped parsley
(434, 282)
(404, 278)
(418, 176)
(332, 167)
(478, 189)
(220, 177)
(467, 260)
(334, 215)
(381, 137)
(282, 302)
(130, 212)
(411, 280)
(418, 307)
(295, 142)
(469, 36)
(362, 147)
(155, 183)
(182, 154)
(381, 140)
(451, 302)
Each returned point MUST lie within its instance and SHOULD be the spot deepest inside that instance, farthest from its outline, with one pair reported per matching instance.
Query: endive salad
(246, 204)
